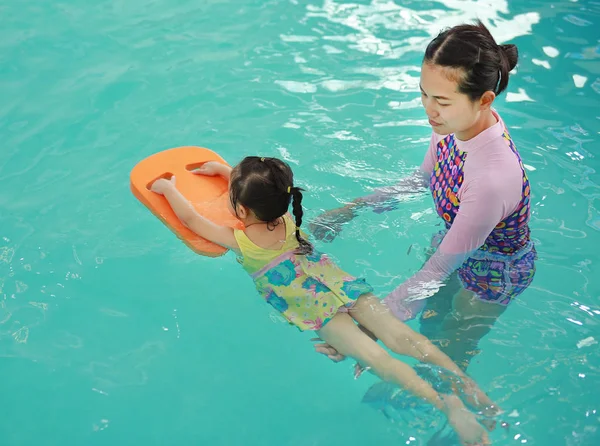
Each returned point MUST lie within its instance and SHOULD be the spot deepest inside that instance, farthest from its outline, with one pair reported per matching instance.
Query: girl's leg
(401, 339)
(396, 335)
(344, 335)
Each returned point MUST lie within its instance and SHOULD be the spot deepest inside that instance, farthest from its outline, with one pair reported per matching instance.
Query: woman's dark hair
(266, 186)
(485, 65)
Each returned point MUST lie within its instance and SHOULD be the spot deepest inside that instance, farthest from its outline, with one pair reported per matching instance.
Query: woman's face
(448, 110)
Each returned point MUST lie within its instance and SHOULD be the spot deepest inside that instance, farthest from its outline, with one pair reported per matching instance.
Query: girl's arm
(213, 168)
(221, 235)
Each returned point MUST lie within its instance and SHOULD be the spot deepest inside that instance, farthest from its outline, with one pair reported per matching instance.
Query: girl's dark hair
(266, 186)
(471, 48)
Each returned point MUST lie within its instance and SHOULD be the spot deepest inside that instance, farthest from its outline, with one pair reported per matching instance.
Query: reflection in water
(410, 31)
(23, 306)
(366, 20)
(125, 369)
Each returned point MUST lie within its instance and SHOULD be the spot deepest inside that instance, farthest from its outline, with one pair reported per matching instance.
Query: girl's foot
(465, 423)
(479, 400)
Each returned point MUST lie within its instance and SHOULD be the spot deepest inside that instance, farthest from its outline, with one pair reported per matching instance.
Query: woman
(480, 190)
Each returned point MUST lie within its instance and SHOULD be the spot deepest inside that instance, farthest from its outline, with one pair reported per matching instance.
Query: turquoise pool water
(113, 333)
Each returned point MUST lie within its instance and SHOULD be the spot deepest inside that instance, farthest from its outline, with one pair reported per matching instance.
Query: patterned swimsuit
(308, 290)
(504, 266)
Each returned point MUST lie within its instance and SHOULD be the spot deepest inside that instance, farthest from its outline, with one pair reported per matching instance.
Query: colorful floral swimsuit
(308, 290)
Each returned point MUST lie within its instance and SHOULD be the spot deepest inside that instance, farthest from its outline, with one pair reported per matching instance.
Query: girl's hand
(464, 423)
(210, 169)
(162, 184)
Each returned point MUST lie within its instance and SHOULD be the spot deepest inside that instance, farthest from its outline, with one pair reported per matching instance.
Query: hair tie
(499, 80)
(289, 189)
(263, 159)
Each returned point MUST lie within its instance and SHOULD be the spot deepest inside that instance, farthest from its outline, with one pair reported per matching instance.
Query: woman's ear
(486, 100)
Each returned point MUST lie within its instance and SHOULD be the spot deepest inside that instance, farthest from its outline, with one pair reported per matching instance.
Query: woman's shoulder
(496, 175)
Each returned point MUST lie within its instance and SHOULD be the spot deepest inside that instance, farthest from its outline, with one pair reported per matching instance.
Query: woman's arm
(387, 198)
(483, 205)
(329, 224)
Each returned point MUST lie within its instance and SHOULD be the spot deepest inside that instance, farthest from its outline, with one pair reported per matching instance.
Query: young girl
(312, 292)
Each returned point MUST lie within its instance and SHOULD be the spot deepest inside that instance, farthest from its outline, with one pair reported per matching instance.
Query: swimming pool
(113, 333)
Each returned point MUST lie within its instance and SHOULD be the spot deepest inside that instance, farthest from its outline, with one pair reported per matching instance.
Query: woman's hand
(335, 356)
(329, 224)
(328, 350)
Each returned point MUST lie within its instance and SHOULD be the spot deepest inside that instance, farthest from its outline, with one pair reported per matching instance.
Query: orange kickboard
(208, 195)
